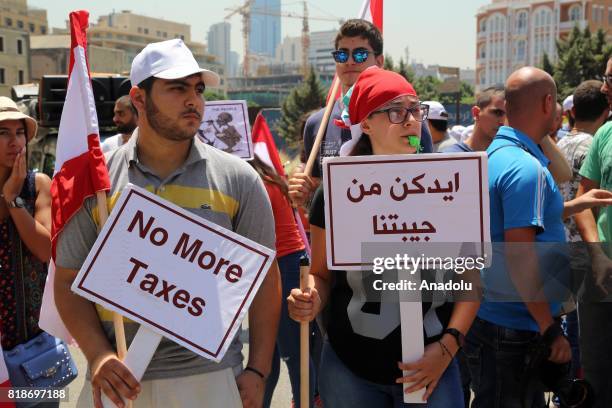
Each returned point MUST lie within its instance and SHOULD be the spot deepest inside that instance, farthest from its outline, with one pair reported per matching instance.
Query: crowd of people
(547, 184)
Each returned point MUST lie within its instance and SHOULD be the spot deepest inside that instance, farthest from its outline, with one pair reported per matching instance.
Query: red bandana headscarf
(374, 88)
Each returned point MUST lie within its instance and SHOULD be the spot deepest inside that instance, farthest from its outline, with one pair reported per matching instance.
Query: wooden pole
(317, 142)
(304, 341)
(117, 318)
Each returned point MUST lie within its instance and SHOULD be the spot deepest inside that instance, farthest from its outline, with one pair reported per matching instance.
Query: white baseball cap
(568, 103)
(168, 60)
(436, 111)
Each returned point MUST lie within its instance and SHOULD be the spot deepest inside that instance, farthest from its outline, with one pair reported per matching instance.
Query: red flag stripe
(79, 21)
(376, 11)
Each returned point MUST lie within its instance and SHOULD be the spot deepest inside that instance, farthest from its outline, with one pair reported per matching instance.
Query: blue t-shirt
(335, 136)
(522, 193)
(457, 148)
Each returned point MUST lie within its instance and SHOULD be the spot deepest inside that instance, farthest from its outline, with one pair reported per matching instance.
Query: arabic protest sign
(226, 126)
(179, 275)
(403, 199)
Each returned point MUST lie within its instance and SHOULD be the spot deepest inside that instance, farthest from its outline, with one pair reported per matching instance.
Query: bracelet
(256, 371)
(445, 349)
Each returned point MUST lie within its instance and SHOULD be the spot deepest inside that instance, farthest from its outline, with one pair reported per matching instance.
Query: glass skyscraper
(265, 33)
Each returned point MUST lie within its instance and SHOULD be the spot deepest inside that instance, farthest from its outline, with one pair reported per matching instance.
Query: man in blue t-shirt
(526, 207)
(354, 37)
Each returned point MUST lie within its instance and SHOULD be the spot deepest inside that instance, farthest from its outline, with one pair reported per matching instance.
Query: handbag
(42, 362)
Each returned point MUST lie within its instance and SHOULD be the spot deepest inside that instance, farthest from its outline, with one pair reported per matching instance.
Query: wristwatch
(459, 337)
(16, 203)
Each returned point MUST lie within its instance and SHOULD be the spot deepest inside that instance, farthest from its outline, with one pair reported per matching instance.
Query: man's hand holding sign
(180, 276)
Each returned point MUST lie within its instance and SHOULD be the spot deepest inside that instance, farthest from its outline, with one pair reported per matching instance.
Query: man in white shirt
(126, 119)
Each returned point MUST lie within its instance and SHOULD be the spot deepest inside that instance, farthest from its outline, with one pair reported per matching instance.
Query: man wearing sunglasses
(358, 45)
(596, 172)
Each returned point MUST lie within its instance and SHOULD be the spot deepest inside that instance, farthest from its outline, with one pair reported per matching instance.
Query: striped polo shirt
(212, 184)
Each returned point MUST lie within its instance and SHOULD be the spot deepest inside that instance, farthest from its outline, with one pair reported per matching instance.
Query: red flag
(80, 170)
(264, 146)
(371, 10)
(5, 383)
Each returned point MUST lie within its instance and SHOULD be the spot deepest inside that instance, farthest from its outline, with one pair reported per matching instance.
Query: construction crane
(246, 10)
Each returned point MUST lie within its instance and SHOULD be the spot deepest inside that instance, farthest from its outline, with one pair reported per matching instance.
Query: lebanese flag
(264, 146)
(80, 169)
(4, 382)
(371, 10)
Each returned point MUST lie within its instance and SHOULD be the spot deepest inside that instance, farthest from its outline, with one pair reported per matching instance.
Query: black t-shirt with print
(366, 336)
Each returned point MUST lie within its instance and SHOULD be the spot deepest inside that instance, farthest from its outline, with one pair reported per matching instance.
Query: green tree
(301, 99)
(580, 57)
(388, 64)
(547, 65)
(427, 88)
(405, 70)
(212, 95)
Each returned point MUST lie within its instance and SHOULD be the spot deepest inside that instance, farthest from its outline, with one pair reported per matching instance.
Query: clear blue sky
(436, 31)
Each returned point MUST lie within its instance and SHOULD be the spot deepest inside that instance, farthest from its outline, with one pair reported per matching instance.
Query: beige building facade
(515, 33)
(130, 33)
(50, 55)
(16, 15)
(14, 59)
(17, 22)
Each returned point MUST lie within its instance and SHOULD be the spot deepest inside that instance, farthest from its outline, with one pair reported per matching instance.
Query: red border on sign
(131, 313)
(331, 216)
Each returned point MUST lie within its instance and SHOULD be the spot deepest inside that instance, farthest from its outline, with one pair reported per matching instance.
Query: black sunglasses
(360, 55)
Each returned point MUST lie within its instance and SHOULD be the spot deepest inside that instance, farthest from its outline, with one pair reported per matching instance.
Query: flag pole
(317, 142)
(117, 318)
(305, 266)
(304, 340)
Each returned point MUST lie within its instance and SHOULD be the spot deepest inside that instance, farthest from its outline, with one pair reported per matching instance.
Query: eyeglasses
(360, 55)
(607, 78)
(399, 114)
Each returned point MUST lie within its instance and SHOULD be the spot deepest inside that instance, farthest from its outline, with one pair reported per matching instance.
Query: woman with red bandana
(361, 360)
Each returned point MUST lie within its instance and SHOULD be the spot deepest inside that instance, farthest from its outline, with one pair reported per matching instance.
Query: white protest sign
(400, 200)
(181, 276)
(226, 126)
(403, 199)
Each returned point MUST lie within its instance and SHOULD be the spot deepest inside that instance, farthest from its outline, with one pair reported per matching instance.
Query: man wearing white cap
(164, 155)
(568, 104)
(437, 121)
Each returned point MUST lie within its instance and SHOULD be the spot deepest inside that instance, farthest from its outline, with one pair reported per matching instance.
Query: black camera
(556, 378)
